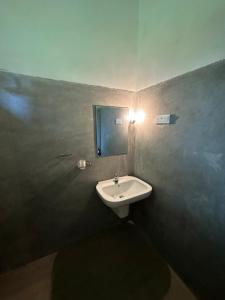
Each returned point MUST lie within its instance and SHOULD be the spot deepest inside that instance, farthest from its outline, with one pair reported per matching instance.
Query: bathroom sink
(129, 189)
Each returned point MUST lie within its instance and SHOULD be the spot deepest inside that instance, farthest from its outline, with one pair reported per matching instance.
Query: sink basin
(130, 189)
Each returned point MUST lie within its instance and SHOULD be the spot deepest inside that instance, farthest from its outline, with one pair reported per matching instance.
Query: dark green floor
(115, 265)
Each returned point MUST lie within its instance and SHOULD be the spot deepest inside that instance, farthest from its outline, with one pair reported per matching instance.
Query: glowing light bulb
(140, 116)
(136, 116)
(131, 116)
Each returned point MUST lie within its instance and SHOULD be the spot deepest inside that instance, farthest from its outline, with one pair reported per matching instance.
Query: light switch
(162, 119)
(119, 121)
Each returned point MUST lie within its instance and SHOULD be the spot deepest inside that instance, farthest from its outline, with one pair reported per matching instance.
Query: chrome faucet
(116, 179)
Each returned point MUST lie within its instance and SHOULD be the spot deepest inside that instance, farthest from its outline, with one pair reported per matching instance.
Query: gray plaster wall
(45, 202)
(185, 163)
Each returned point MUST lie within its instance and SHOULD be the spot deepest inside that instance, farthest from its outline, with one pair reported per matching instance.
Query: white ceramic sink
(118, 196)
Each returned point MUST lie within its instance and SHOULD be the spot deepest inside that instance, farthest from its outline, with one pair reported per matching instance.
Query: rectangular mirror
(111, 130)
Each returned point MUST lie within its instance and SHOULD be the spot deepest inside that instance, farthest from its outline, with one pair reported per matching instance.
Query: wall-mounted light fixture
(136, 116)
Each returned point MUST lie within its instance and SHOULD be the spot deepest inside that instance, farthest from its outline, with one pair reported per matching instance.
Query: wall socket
(163, 119)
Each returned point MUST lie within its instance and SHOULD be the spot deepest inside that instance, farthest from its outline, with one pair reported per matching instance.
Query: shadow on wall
(47, 215)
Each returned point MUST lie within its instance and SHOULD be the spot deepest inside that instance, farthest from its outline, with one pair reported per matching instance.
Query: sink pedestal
(121, 211)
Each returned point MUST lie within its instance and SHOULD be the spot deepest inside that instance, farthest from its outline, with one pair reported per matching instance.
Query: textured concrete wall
(185, 163)
(45, 202)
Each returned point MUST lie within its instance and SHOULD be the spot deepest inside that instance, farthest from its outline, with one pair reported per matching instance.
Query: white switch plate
(162, 119)
(119, 121)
